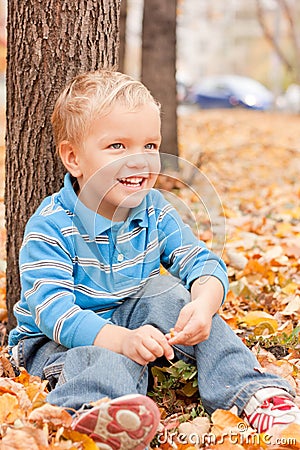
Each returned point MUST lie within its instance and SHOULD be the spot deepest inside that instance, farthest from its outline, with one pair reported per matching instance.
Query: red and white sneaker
(264, 413)
(127, 422)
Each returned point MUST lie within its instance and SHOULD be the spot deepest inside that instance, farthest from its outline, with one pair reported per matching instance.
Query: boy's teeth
(132, 180)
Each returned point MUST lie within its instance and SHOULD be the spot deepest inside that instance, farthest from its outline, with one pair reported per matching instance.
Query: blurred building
(217, 37)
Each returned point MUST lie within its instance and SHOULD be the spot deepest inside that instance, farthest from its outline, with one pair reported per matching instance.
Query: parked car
(290, 100)
(183, 92)
(230, 91)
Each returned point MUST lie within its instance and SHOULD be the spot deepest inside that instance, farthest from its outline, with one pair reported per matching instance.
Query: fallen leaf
(290, 288)
(50, 414)
(236, 260)
(290, 432)
(224, 421)
(10, 409)
(196, 427)
(74, 436)
(293, 306)
(23, 438)
(255, 318)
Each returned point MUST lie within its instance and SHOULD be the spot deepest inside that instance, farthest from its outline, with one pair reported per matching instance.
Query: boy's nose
(137, 160)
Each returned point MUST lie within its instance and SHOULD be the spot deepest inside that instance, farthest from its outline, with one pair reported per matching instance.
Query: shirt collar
(93, 223)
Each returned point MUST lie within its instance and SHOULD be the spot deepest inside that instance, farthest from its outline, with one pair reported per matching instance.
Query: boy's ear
(69, 156)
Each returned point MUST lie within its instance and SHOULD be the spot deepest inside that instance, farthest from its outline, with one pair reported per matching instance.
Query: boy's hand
(142, 345)
(194, 321)
(193, 325)
(145, 344)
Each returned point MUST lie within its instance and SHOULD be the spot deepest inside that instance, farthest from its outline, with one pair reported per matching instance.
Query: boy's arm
(48, 300)
(202, 271)
(183, 255)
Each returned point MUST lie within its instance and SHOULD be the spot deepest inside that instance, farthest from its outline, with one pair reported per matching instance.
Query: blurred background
(257, 39)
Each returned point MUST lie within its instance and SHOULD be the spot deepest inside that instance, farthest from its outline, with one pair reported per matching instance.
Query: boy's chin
(134, 200)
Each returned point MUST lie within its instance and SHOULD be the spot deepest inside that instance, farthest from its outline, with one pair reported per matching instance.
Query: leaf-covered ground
(248, 172)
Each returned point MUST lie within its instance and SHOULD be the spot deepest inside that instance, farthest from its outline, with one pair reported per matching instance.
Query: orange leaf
(253, 266)
(292, 435)
(225, 420)
(25, 438)
(50, 413)
(9, 409)
(227, 445)
(86, 441)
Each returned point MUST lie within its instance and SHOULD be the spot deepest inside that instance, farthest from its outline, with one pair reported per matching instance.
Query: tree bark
(48, 43)
(122, 34)
(159, 67)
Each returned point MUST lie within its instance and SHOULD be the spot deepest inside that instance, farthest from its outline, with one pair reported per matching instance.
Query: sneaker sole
(128, 422)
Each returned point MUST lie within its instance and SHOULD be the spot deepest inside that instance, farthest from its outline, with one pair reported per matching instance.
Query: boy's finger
(168, 350)
(163, 342)
(183, 320)
(182, 336)
(178, 338)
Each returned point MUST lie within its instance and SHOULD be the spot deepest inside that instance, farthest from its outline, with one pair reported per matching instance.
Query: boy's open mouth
(132, 181)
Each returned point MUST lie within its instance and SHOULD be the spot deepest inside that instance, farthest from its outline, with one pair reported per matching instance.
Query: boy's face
(118, 161)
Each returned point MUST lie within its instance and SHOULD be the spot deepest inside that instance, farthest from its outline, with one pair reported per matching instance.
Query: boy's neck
(118, 215)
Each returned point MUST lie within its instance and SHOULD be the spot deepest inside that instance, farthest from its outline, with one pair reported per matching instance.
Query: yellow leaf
(281, 279)
(290, 288)
(74, 436)
(264, 328)
(229, 213)
(163, 271)
(254, 318)
(294, 212)
(283, 229)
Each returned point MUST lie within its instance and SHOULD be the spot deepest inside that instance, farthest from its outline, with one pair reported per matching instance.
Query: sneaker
(277, 410)
(128, 422)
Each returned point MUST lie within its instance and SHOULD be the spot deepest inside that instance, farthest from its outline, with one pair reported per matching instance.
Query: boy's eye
(150, 146)
(117, 146)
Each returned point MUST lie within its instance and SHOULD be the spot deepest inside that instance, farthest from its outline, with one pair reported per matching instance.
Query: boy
(94, 312)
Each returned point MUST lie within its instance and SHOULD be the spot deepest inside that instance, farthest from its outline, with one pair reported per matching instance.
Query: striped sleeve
(182, 254)
(46, 269)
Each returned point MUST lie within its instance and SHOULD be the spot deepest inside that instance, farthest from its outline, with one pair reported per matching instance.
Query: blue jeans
(228, 372)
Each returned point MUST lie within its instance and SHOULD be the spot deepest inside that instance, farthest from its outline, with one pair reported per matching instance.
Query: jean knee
(167, 289)
(168, 299)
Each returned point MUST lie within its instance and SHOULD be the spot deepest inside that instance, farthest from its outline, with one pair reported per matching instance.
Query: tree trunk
(122, 47)
(159, 67)
(48, 43)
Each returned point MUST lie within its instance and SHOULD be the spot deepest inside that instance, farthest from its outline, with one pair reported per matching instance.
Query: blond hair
(90, 95)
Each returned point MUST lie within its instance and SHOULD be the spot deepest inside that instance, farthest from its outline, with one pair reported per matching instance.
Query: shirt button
(120, 257)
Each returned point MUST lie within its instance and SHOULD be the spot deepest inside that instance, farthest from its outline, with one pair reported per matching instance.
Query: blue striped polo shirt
(77, 267)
